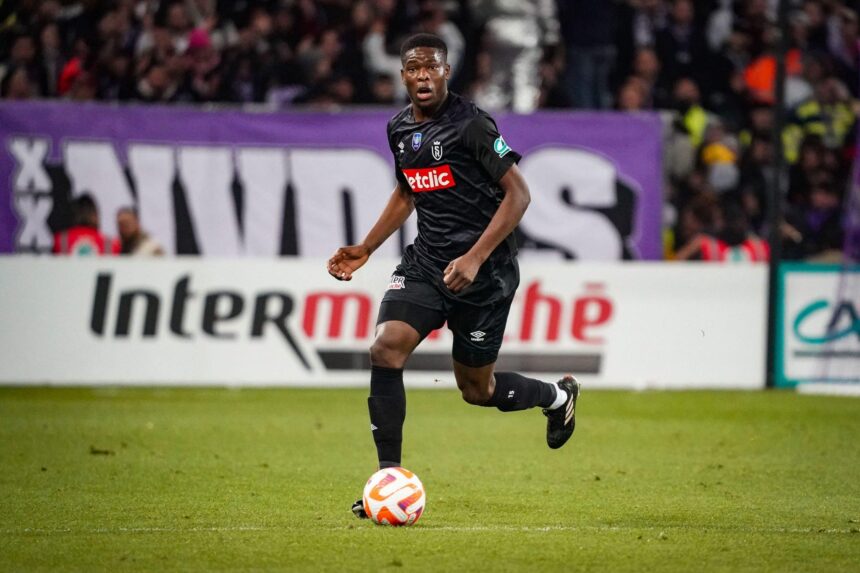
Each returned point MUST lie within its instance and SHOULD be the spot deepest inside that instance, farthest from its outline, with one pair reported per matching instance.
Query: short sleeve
(482, 138)
(398, 172)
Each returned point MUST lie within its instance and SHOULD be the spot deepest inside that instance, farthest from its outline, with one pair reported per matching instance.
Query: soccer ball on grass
(394, 496)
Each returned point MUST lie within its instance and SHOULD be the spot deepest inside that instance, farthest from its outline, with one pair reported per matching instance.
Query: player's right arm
(347, 260)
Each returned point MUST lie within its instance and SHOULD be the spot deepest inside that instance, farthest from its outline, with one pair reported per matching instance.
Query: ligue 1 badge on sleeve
(437, 150)
(416, 141)
(500, 146)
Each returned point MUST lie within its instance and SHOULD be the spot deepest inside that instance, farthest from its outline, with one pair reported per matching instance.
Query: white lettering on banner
(333, 190)
(31, 188)
(154, 169)
(207, 176)
(263, 173)
(322, 179)
(94, 168)
(30, 154)
(591, 181)
(34, 210)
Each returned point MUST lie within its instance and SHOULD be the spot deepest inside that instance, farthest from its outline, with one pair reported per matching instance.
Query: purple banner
(234, 183)
(852, 211)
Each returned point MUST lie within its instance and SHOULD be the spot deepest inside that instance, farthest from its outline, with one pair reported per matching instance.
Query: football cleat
(358, 509)
(561, 421)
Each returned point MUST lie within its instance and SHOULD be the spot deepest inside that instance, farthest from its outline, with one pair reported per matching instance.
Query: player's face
(425, 75)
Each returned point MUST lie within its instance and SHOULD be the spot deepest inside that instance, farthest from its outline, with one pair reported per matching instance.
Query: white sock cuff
(560, 398)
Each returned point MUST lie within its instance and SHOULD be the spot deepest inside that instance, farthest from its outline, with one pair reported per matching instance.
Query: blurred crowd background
(707, 66)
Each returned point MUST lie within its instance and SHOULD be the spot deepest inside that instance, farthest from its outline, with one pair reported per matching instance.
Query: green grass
(154, 480)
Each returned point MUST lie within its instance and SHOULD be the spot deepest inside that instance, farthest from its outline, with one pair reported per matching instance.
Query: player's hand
(347, 260)
(461, 272)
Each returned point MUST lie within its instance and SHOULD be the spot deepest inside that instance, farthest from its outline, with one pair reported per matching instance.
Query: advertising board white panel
(188, 321)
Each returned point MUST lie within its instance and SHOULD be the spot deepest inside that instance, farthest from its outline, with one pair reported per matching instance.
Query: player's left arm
(461, 272)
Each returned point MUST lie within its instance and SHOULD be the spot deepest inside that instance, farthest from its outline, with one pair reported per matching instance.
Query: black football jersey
(451, 164)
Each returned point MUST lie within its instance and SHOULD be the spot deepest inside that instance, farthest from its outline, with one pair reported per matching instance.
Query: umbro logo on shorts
(477, 336)
(397, 282)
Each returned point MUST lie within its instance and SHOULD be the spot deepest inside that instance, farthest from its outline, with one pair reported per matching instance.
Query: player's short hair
(424, 41)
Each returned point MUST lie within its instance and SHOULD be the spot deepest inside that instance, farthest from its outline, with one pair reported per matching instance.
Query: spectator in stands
(828, 114)
(698, 215)
(16, 85)
(681, 46)
(686, 101)
(516, 33)
(646, 69)
(134, 240)
(733, 241)
(844, 43)
(756, 174)
(84, 237)
(631, 95)
(694, 61)
(589, 36)
(815, 228)
(718, 156)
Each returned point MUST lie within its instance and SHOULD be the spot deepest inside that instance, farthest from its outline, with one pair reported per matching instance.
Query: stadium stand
(709, 66)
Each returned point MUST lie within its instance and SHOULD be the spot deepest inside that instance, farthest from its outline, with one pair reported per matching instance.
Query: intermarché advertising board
(192, 321)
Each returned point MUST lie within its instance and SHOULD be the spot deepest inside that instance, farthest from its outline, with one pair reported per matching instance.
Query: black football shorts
(478, 330)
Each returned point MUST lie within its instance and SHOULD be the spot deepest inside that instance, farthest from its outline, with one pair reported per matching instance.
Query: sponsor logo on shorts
(397, 282)
(416, 141)
(500, 146)
(477, 336)
(430, 179)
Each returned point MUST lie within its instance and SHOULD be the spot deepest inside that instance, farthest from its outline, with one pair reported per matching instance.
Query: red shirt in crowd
(84, 241)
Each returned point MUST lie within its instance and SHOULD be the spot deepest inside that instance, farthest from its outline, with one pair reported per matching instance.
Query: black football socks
(516, 392)
(387, 406)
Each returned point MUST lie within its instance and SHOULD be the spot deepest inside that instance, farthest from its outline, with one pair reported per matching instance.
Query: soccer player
(457, 171)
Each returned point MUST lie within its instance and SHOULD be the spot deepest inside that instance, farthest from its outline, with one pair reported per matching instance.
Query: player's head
(425, 70)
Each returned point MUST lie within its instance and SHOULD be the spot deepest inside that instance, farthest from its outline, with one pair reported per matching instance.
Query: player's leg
(478, 334)
(394, 342)
(507, 391)
(401, 326)
(407, 314)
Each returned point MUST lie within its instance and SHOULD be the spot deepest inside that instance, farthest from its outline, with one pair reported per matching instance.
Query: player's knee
(475, 394)
(384, 353)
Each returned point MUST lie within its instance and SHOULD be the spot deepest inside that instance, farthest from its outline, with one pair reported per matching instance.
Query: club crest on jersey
(416, 141)
(437, 150)
(500, 146)
(396, 282)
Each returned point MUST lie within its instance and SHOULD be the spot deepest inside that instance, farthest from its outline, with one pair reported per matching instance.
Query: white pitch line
(136, 530)
(442, 528)
(614, 528)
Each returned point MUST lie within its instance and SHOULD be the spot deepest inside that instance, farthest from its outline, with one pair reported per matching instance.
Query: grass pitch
(262, 479)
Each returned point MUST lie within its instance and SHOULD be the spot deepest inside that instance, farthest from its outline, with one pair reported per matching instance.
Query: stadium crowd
(709, 66)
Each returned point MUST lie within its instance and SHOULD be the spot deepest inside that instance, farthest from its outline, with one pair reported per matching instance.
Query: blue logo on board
(844, 320)
(416, 141)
